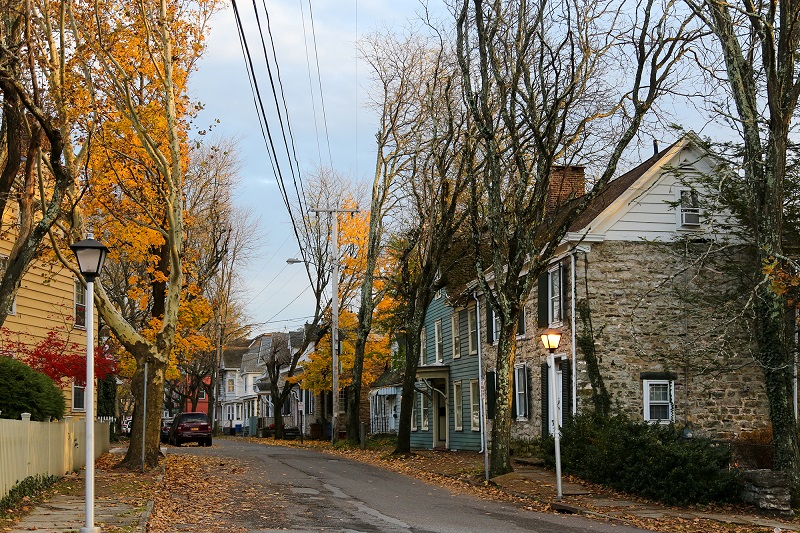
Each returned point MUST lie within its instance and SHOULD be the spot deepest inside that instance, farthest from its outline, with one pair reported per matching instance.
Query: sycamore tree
(758, 43)
(546, 84)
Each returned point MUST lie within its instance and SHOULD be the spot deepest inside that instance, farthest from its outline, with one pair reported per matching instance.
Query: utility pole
(334, 314)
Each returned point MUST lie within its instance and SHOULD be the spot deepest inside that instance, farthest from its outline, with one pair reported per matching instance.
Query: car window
(194, 417)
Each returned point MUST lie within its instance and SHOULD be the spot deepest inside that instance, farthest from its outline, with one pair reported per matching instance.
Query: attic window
(689, 208)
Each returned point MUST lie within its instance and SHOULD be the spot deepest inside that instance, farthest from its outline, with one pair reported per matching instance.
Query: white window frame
(495, 326)
(688, 216)
(78, 391)
(438, 340)
(474, 405)
(79, 298)
(456, 335)
(458, 406)
(414, 413)
(472, 329)
(555, 319)
(424, 410)
(231, 386)
(648, 402)
(423, 346)
(201, 395)
(520, 390)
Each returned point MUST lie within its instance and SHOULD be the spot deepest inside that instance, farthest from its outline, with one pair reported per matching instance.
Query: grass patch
(31, 487)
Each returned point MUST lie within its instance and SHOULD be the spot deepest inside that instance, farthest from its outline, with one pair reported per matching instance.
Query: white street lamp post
(551, 338)
(90, 254)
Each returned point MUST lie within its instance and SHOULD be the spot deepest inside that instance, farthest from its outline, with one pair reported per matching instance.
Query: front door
(559, 382)
(440, 405)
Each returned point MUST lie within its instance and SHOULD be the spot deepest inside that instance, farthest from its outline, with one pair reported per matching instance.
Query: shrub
(650, 460)
(30, 487)
(25, 390)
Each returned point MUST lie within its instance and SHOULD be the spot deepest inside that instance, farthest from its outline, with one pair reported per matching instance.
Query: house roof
(233, 352)
(616, 187)
(252, 361)
(388, 378)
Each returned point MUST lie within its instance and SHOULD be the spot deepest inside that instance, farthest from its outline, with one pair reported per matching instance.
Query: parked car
(190, 427)
(166, 425)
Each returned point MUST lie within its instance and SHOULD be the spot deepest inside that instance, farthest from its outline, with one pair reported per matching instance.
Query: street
(284, 488)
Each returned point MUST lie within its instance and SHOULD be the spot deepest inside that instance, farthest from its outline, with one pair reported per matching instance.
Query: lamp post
(91, 255)
(551, 338)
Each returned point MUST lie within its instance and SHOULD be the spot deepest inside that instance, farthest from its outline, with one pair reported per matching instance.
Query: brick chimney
(566, 183)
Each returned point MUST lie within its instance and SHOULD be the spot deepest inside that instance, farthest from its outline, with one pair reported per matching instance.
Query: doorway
(440, 413)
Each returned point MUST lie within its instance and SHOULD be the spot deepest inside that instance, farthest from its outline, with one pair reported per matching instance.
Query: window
(689, 208)
(475, 405)
(423, 347)
(78, 398)
(308, 400)
(496, 325)
(458, 406)
(425, 401)
(554, 296)
(80, 305)
(658, 400)
(521, 391)
(414, 413)
(231, 386)
(342, 401)
(456, 337)
(437, 334)
(201, 395)
(472, 327)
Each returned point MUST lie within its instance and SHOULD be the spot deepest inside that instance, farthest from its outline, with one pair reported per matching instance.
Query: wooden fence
(45, 448)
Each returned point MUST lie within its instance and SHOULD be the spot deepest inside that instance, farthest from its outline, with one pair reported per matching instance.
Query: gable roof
(616, 187)
(233, 352)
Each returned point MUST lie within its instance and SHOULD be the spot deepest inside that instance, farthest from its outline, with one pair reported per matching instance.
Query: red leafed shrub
(57, 357)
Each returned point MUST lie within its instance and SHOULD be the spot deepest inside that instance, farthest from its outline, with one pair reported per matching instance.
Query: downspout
(573, 297)
(481, 387)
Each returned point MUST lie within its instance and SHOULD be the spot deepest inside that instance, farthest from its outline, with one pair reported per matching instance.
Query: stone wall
(654, 312)
(767, 490)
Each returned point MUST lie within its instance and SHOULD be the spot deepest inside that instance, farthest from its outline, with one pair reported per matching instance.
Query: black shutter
(545, 403)
(514, 394)
(542, 301)
(565, 284)
(489, 324)
(566, 389)
(491, 395)
(527, 394)
(521, 321)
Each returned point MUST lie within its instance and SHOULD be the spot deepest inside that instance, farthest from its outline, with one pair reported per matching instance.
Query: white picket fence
(45, 448)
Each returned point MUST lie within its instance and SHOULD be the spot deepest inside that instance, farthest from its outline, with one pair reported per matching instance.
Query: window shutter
(566, 389)
(527, 396)
(542, 301)
(491, 395)
(513, 393)
(489, 325)
(565, 284)
(545, 403)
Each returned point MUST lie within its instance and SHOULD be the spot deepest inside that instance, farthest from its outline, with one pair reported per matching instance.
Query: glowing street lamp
(91, 255)
(551, 339)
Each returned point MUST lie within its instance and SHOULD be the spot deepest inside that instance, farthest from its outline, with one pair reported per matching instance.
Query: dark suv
(190, 427)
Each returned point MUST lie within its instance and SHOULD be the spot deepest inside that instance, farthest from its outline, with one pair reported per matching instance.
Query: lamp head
(551, 339)
(91, 255)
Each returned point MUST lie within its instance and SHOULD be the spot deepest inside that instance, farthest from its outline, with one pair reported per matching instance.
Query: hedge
(25, 390)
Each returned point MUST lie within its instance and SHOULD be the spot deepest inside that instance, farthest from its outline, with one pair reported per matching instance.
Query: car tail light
(204, 426)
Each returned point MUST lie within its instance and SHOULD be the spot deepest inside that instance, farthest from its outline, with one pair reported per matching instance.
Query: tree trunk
(152, 411)
(500, 459)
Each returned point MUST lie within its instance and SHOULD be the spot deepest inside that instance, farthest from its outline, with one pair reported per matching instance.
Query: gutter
(481, 387)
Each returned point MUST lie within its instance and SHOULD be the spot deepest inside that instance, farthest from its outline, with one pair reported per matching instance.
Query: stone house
(645, 313)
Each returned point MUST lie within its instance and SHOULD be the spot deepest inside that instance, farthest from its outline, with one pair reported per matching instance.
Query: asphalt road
(320, 492)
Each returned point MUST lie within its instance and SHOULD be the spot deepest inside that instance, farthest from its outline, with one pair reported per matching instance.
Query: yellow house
(50, 299)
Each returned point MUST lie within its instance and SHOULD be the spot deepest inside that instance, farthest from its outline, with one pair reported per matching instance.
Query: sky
(276, 294)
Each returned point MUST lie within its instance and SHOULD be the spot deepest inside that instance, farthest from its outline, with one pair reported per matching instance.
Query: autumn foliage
(56, 356)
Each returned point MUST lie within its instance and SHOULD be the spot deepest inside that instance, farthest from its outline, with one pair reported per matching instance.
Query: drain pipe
(574, 295)
(481, 387)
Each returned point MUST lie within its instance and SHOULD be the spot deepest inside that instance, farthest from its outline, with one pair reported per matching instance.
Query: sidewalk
(118, 504)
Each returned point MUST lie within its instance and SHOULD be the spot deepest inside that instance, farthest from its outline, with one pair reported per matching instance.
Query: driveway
(262, 488)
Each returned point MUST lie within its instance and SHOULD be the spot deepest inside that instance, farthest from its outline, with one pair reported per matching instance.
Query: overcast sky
(277, 293)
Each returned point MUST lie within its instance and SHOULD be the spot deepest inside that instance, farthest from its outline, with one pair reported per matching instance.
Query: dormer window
(689, 208)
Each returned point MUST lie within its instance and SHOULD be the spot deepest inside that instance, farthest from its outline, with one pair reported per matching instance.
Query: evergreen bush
(25, 390)
(650, 460)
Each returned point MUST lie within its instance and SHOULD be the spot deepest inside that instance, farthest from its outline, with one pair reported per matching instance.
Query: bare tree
(539, 83)
(759, 43)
